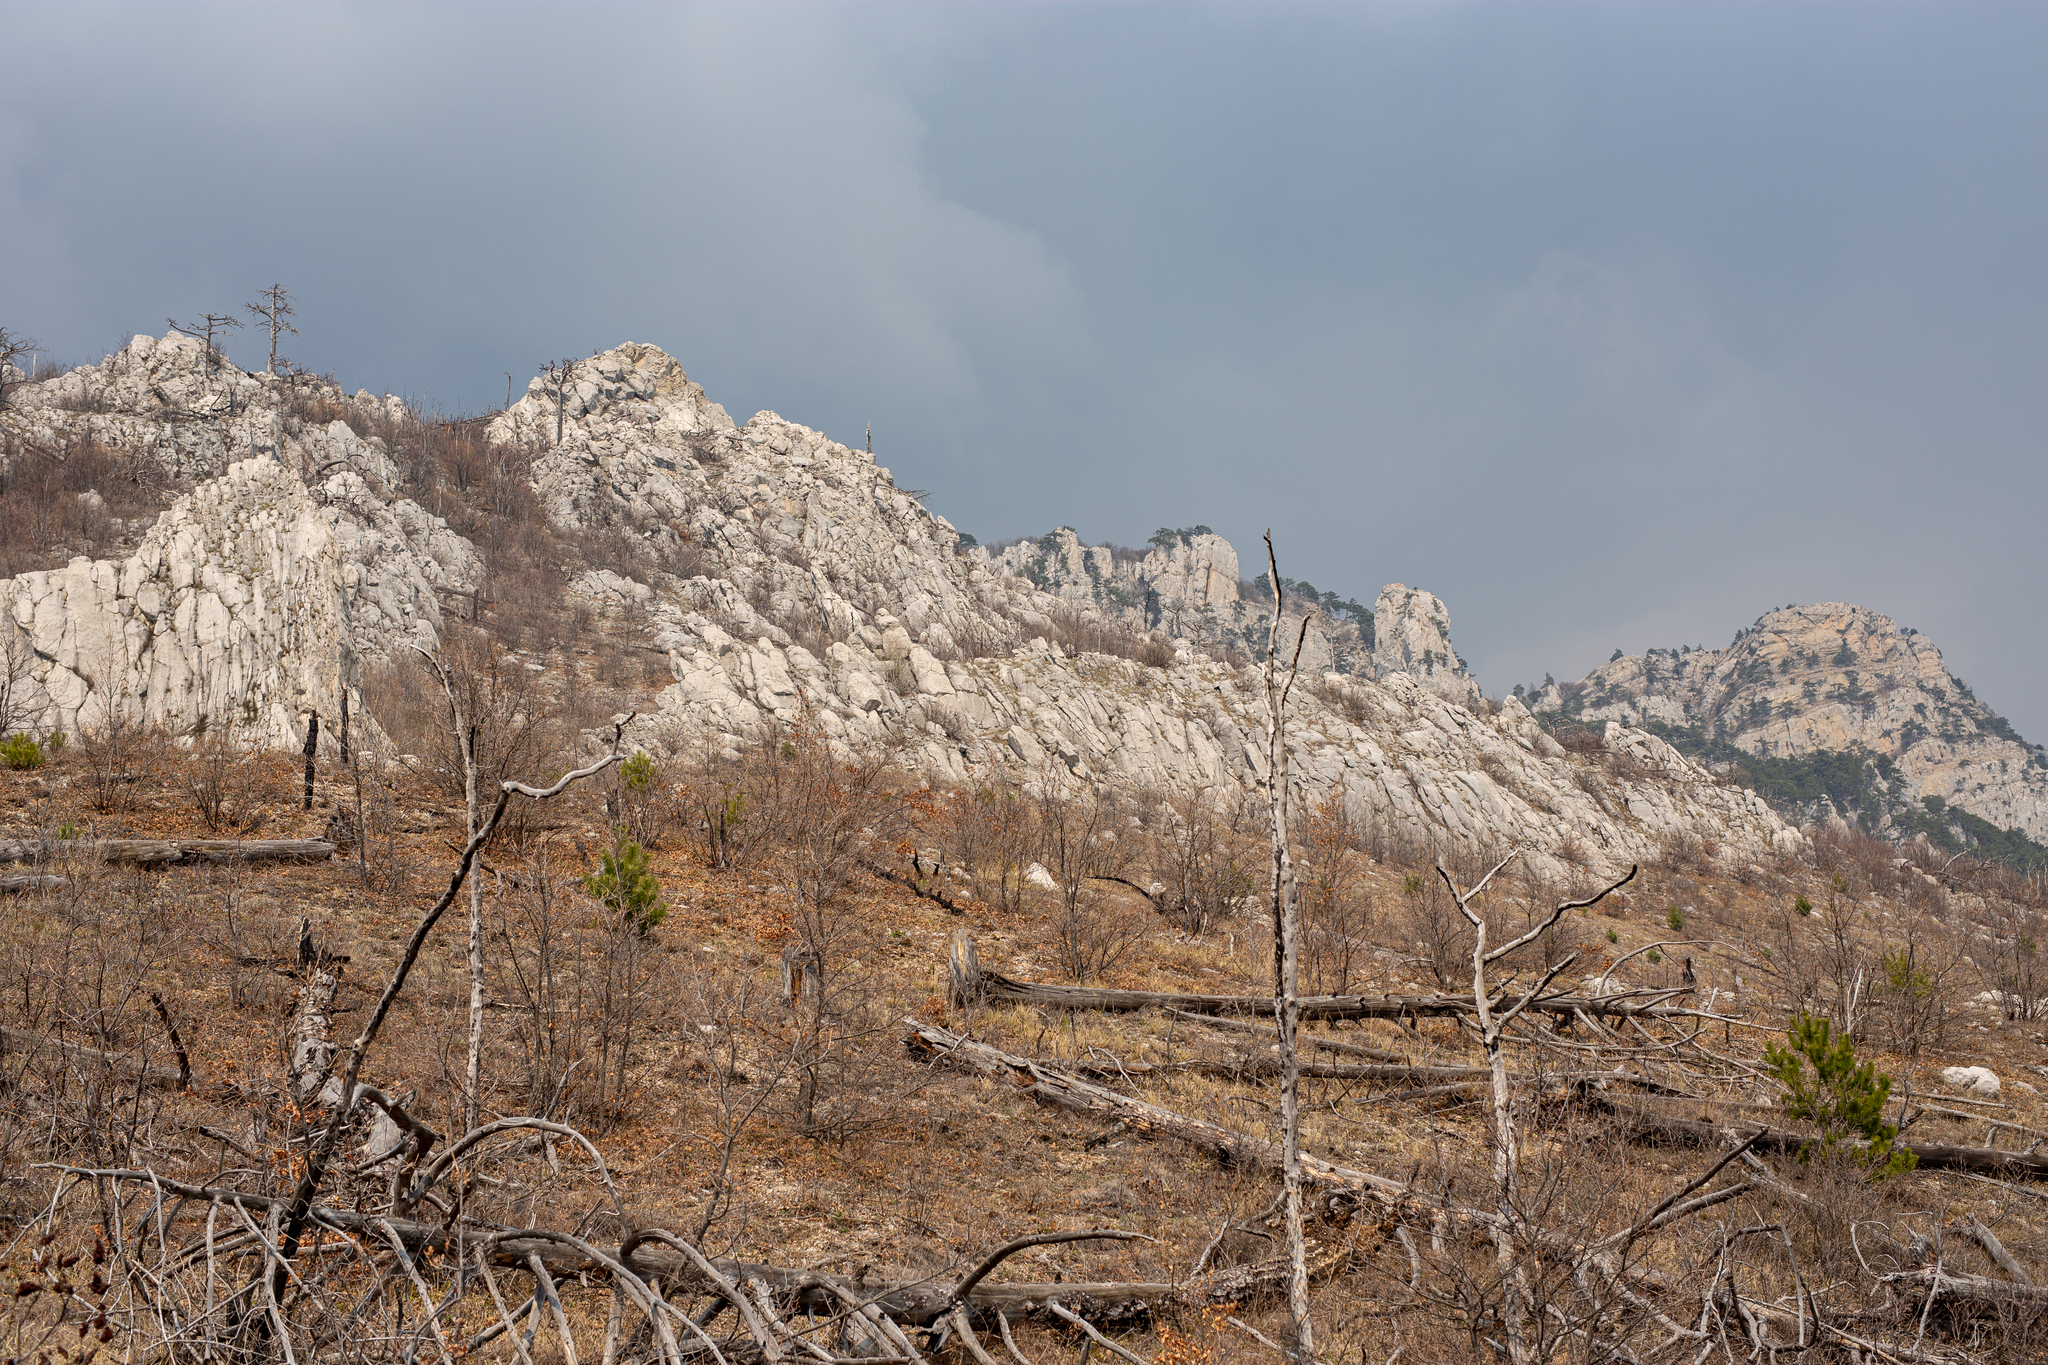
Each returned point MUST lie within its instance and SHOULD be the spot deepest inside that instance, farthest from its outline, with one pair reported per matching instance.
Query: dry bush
(830, 816)
(1207, 859)
(1073, 633)
(1579, 739)
(1337, 911)
(231, 785)
(118, 754)
(581, 982)
(991, 832)
(1082, 842)
(58, 503)
(1440, 934)
(516, 727)
(76, 970)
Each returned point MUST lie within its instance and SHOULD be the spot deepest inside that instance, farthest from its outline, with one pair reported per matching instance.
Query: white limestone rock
(1832, 677)
(1978, 1080)
(231, 614)
(1412, 635)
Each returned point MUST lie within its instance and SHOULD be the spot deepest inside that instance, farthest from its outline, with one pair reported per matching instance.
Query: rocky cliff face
(187, 417)
(1832, 677)
(1412, 635)
(231, 613)
(800, 586)
(789, 582)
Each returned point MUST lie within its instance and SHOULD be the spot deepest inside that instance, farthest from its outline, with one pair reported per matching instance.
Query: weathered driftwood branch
(1937, 1283)
(165, 852)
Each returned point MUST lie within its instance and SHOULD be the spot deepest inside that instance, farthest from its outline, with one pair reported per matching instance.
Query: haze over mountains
(787, 581)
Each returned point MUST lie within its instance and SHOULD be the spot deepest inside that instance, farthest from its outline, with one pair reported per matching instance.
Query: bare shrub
(229, 783)
(1073, 633)
(829, 816)
(1914, 994)
(991, 832)
(74, 500)
(118, 753)
(23, 699)
(1439, 932)
(581, 983)
(1337, 911)
(1080, 840)
(1204, 861)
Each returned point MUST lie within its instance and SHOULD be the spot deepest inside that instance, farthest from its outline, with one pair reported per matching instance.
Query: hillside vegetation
(790, 1011)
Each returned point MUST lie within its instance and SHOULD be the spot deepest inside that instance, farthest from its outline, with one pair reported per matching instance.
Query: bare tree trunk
(1493, 1024)
(464, 732)
(473, 1075)
(1286, 903)
(312, 748)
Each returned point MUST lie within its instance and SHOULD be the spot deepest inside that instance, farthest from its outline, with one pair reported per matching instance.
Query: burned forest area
(477, 1025)
(788, 1058)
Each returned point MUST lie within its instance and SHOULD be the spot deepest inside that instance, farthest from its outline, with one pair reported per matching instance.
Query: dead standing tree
(1493, 1023)
(275, 307)
(212, 329)
(1286, 904)
(559, 374)
(298, 1210)
(495, 725)
(14, 350)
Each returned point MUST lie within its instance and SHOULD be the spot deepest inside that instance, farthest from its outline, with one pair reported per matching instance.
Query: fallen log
(1268, 1066)
(1935, 1283)
(1630, 1004)
(166, 852)
(1051, 1086)
(1931, 1156)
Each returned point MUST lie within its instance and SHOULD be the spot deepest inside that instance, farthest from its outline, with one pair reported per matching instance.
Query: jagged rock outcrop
(1412, 635)
(231, 613)
(803, 587)
(1397, 753)
(1832, 677)
(815, 536)
(1186, 587)
(189, 416)
(796, 585)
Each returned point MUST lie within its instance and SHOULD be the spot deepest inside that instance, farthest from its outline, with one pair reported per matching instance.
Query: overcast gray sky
(1615, 325)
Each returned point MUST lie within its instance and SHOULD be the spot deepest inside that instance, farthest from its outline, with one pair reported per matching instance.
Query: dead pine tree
(14, 350)
(274, 308)
(1286, 904)
(212, 328)
(1493, 1021)
(559, 373)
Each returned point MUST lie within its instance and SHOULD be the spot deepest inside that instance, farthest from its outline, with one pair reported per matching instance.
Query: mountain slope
(1832, 678)
(795, 584)
(787, 582)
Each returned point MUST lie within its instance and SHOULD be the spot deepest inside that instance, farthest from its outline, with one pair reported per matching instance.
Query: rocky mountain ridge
(788, 582)
(1832, 678)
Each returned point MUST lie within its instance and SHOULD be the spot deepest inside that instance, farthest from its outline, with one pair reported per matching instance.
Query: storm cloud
(1613, 325)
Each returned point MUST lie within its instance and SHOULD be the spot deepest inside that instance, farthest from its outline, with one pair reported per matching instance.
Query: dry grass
(938, 1168)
